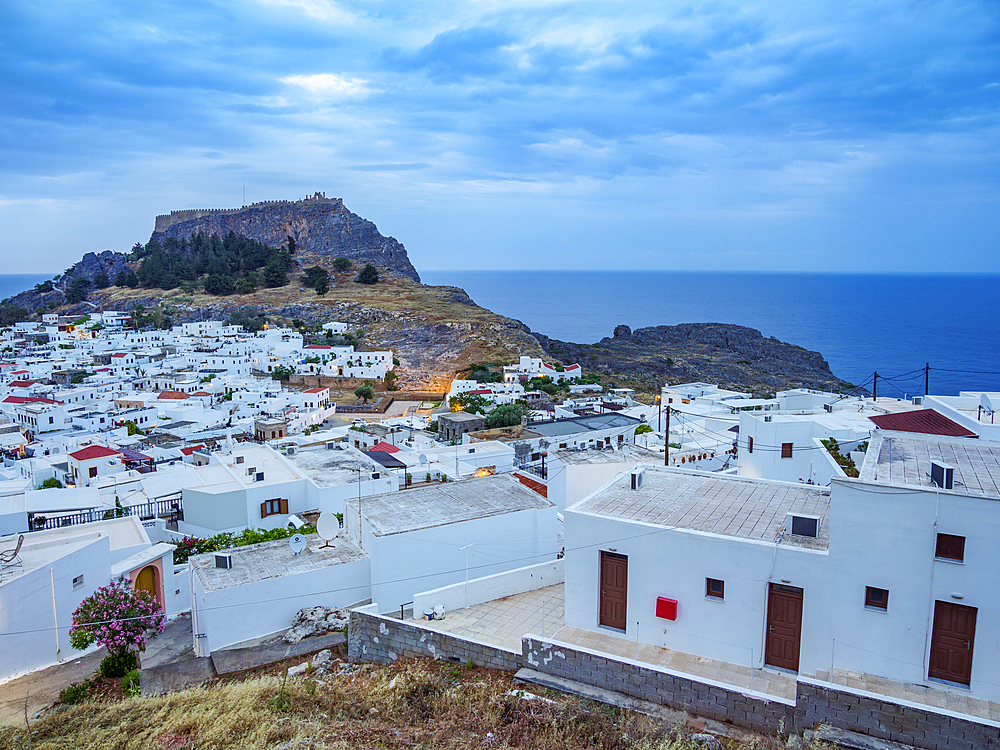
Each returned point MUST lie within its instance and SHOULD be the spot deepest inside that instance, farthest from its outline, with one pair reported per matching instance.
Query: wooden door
(951, 642)
(614, 589)
(784, 627)
(146, 581)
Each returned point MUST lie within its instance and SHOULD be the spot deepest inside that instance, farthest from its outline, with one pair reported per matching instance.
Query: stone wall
(713, 700)
(902, 721)
(381, 639)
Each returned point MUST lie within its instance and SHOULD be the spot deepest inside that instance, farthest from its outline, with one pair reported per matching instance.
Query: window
(274, 507)
(93, 471)
(715, 589)
(786, 450)
(749, 445)
(78, 582)
(950, 547)
(876, 598)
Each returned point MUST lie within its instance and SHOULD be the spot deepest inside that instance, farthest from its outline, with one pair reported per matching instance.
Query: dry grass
(413, 704)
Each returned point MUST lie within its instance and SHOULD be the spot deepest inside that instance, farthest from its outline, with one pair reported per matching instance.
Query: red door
(784, 627)
(951, 642)
(614, 589)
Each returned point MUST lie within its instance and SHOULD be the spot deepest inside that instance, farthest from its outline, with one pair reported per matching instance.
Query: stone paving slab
(228, 661)
(176, 676)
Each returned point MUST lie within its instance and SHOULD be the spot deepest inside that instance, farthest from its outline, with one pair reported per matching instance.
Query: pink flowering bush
(117, 617)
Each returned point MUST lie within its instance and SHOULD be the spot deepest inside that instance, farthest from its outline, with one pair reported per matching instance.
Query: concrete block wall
(380, 639)
(705, 698)
(902, 721)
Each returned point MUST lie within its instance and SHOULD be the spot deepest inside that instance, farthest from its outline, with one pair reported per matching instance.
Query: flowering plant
(117, 617)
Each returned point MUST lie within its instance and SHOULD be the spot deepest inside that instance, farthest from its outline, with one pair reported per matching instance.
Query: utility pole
(927, 378)
(666, 441)
(875, 388)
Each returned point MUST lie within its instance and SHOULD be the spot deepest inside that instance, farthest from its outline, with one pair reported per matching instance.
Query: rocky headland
(435, 331)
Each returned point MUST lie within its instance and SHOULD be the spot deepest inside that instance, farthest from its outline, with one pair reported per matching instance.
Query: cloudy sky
(812, 136)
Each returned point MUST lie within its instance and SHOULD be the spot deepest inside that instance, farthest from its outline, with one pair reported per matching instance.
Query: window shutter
(263, 510)
(283, 506)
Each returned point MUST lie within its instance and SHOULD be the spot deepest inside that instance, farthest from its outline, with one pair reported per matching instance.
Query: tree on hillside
(291, 245)
(368, 275)
(11, 314)
(77, 291)
(312, 276)
(341, 264)
(365, 392)
(101, 281)
(323, 286)
(127, 278)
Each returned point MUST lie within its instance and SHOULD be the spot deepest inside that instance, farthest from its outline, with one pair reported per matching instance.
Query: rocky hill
(732, 356)
(320, 226)
(434, 331)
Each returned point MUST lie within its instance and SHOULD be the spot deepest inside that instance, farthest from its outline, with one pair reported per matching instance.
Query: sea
(893, 324)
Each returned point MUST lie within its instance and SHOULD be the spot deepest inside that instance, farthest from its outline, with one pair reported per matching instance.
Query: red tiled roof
(481, 392)
(192, 449)
(118, 354)
(201, 393)
(22, 383)
(317, 346)
(386, 447)
(172, 394)
(925, 421)
(29, 400)
(315, 390)
(93, 451)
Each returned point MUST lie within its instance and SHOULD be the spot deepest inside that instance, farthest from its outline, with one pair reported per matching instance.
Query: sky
(780, 136)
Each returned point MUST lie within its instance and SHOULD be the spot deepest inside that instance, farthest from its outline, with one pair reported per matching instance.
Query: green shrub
(130, 682)
(75, 692)
(118, 664)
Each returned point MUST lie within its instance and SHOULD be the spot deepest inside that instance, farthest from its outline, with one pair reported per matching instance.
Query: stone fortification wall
(321, 226)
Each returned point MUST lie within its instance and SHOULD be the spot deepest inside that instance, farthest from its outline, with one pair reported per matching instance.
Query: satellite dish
(297, 543)
(986, 405)
(423, 458)
(327, 526)
(626, 450)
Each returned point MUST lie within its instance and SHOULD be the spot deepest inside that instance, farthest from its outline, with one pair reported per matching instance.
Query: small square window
(715, 588)
(876, 598)
(786, 450)
(78, 582)
(950, 547)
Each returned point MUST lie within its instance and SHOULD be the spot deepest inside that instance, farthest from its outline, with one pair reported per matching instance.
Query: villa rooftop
(331, 468)
(713, 504)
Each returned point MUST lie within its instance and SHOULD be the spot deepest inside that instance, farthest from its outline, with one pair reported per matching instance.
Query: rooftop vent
(802, 525)
(330, 445)
(259, 477)
(290, 450)
(918, 400)
(638, 478)
(225, 562)
(942, 474)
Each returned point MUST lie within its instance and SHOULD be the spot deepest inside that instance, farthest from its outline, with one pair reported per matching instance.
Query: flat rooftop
(725, 505)
(332, 467)
(577, 425)
(257, 562)
(904, 459)
(452, 502)
(592, 456)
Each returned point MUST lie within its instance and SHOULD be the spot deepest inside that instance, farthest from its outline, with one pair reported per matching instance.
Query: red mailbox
(666, 608)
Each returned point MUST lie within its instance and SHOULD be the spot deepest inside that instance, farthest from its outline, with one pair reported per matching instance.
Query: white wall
(26, 609)
(252, 610)
(488, 588)
(406, 563)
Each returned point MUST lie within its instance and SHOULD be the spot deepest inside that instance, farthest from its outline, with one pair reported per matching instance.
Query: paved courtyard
(541, 612)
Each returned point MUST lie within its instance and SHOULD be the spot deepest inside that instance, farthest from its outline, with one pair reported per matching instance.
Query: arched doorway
(146, 581)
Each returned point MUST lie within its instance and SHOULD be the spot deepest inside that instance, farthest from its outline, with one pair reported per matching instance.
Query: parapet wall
(164, 221)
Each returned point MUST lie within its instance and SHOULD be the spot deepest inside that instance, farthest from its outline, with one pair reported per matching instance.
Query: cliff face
(319, 225)
(733, 356)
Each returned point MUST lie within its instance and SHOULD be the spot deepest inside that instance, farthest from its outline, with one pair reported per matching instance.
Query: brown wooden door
(784, 627)
(951, 642)
(614, 589)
